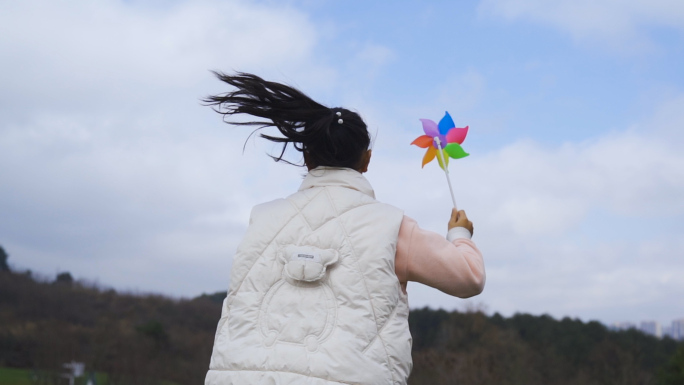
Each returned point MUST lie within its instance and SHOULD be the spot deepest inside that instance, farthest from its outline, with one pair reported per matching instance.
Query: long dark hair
(333, 137)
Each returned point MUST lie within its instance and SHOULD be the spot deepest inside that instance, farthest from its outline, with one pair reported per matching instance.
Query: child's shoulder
(266, 210)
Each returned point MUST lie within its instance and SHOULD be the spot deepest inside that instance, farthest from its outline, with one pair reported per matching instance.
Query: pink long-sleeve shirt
(453, 265)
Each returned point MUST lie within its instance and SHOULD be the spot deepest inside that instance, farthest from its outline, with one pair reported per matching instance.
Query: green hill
(136, 339)
(151, 339)
(472, 348)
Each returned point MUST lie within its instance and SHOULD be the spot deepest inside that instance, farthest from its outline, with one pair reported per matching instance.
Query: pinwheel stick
(440, 153)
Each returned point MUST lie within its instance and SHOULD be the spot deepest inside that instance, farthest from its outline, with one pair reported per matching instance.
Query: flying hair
(333, 137)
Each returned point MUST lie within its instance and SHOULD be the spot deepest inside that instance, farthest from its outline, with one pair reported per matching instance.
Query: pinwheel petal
(455, 151)
(446, 124)
(429, 155)
(423, 141)
(446, 159)
(457, 135)
(430, 128)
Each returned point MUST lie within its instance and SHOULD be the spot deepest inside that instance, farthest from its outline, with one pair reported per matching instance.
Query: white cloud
(528, 188)
(371, 59)
(79, 54)
(621, 23)
(111, 168)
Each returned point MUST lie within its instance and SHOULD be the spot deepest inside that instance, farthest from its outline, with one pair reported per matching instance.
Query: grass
(11, 376)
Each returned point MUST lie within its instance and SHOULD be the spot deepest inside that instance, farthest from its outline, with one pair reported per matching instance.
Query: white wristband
(458, 233)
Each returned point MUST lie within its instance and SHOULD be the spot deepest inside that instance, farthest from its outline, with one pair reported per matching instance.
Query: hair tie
(339, 121)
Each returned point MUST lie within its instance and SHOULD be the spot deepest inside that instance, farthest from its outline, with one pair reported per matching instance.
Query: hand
(459, 219)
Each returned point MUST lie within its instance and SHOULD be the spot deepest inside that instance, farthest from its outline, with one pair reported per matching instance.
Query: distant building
(677, 329)
(622, 326)
(652, 328)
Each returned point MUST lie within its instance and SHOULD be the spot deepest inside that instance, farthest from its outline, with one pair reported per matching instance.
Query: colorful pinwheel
(443, 141)
(443, 136)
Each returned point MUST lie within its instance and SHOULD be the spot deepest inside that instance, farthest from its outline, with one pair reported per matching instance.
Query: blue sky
(544, 83)
(113, 170)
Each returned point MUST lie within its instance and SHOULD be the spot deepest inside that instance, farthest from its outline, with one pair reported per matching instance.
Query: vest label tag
(305, 256)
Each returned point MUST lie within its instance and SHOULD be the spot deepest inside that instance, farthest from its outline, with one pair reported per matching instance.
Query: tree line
(134, 339)
(144, 339)
(473, 348)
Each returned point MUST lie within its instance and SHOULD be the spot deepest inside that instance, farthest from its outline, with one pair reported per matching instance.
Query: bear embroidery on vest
(300, 308)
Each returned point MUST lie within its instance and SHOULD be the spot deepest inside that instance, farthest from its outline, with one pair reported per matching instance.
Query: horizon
(575, 183)
(467, 308)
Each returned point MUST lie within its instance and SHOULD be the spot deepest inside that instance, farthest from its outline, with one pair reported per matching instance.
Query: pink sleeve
(455, 268)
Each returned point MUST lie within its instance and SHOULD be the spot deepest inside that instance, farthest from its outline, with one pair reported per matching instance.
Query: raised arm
(453, 265)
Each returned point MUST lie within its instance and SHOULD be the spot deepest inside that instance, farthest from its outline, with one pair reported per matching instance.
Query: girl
(318, 285)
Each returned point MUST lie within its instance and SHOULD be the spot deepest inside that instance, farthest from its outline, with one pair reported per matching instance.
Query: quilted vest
(313, 297)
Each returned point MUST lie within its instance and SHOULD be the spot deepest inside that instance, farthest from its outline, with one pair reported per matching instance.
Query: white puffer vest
(313, 297)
